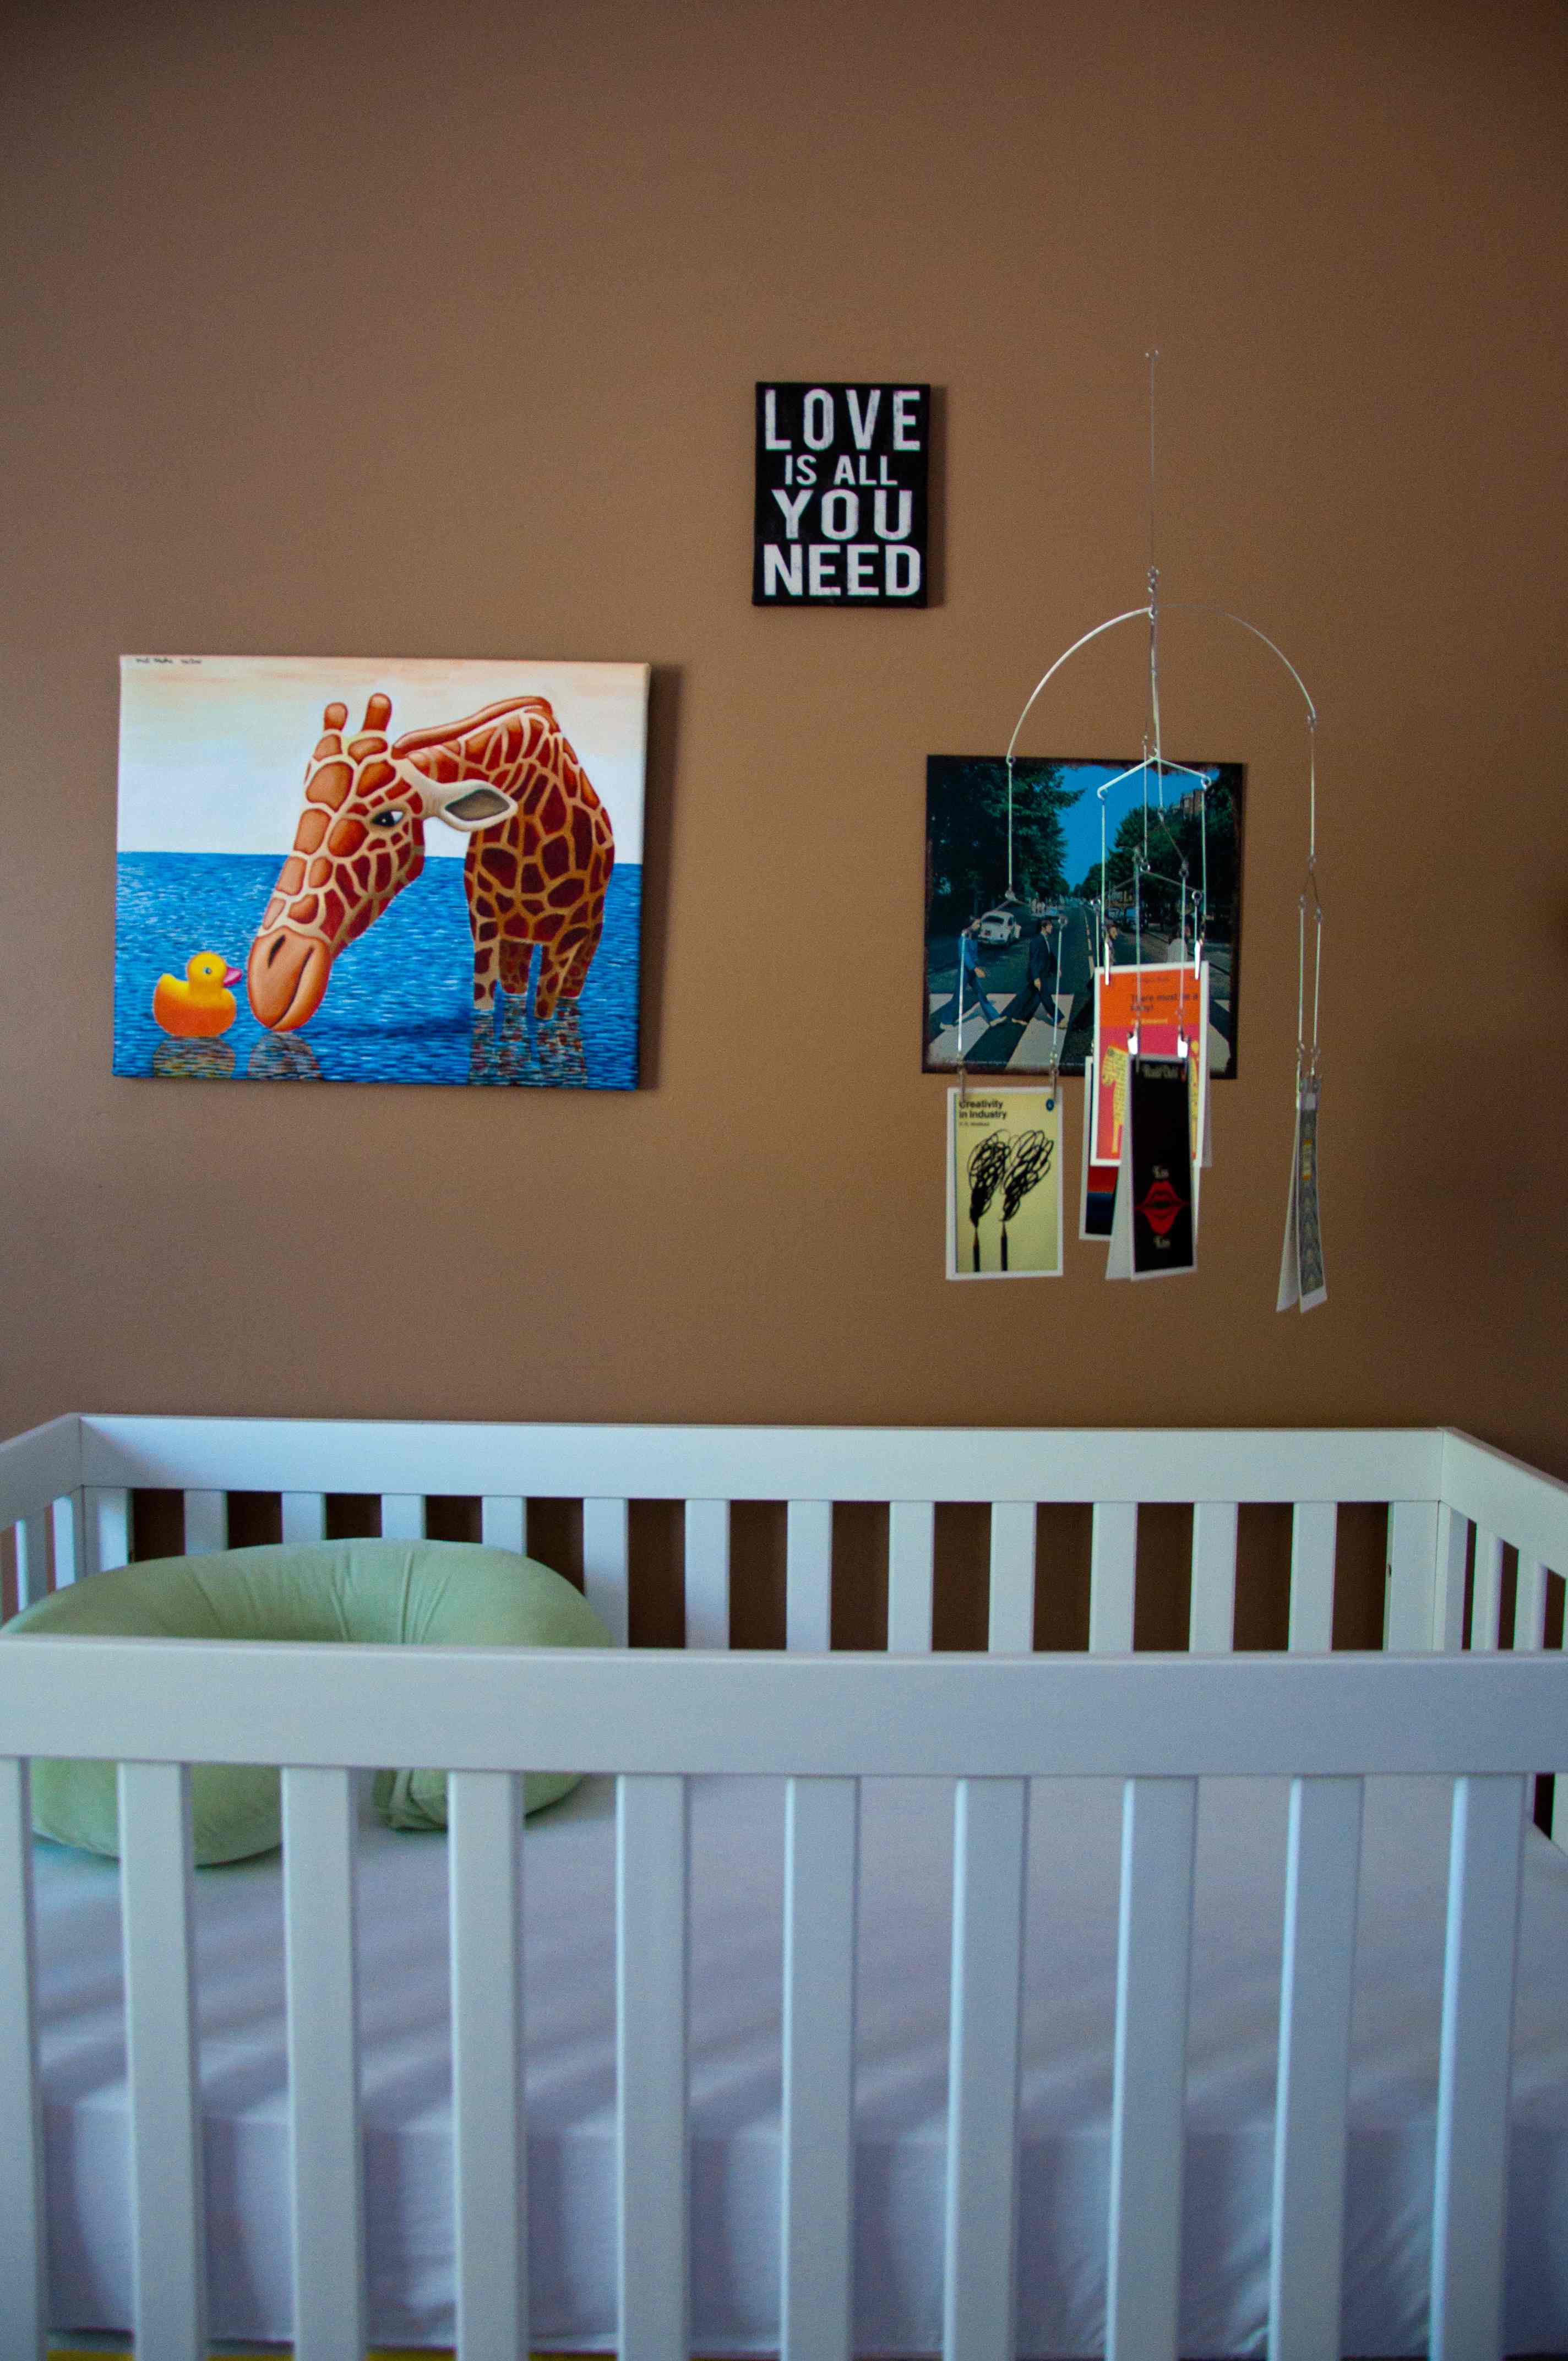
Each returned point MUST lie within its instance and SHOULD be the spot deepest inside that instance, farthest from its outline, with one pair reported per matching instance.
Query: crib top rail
(662, 1711)
(743, 1463)
(1454, 1509)
(1504, 1496)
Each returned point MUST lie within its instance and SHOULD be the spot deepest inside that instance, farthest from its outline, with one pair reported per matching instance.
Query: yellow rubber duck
(204, 1003)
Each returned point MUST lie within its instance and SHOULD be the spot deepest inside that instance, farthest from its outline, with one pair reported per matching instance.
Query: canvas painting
(350, 870)
(1082, 863)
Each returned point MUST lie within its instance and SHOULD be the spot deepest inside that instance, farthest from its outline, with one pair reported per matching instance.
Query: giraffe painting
(452, 893)
(540, 853)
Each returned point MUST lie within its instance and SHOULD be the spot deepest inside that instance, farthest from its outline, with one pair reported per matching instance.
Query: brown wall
(402, 330)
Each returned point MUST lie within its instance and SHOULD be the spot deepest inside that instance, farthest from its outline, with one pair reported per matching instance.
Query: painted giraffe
(540, 853)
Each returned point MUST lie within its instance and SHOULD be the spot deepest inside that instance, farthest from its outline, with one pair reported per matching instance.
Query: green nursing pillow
(431, 1593)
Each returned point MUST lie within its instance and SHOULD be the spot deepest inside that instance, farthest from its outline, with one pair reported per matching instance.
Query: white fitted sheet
(737, 1884)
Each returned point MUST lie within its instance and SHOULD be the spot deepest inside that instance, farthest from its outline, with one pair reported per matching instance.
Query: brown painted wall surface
(402, 330)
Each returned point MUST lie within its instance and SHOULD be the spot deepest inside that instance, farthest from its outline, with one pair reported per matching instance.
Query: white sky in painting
(214, 748)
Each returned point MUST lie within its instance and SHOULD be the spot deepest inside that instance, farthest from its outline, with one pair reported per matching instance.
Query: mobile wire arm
(1307, 1054)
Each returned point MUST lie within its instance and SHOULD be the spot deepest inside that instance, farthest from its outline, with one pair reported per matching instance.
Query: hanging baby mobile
(1146, 1135)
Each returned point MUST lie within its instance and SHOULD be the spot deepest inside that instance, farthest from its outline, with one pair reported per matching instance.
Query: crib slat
(1453, 1549)
(1410, 1622)
(402, 1517)
(1147, 2128)
(108, 1527)
(1530, 1604)
(503, 1523)
(304, 1516)
(32, 1559)
(707, 1574)
(1306, 2261)
(650, 2010)
(323, 2075)
(1313, 1527)
(23, 2242)
(1211, 1621)
(991, 1835)
(816, 2191)
(1486, 1596)
(1112, 1568)
(606, 1579)
(808, 1609)
(1468, 2214)
(1011, 1624)
(70, 1514)
(911, 1562)
(206, 1522)
(168, 2197)
(488, 2135)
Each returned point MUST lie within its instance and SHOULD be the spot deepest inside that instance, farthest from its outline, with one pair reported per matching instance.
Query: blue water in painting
(399, 1006)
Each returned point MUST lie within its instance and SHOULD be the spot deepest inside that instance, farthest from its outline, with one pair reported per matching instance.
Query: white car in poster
(999, 926)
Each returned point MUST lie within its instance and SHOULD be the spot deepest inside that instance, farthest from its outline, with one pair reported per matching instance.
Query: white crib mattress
(737, 1857)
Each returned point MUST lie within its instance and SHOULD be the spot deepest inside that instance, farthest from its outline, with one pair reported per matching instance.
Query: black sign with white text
(841, 495)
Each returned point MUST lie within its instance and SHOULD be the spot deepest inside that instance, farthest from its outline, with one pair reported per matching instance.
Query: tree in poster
(968, 831)
(1175, 838)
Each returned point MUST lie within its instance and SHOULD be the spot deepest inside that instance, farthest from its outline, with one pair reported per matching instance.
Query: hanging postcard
(1119, 1253)
(1309, 1234)
(1097, 1194)
(1289, 1254)
(1004, 1184)
(1154, 1231)
(1301, 1278)
(1167, 1008)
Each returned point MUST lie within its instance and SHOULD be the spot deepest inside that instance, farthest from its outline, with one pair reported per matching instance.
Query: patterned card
(1163, 1211)
(1301, 1279)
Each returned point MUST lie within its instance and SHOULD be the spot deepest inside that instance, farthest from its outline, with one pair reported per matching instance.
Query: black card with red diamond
(1164, 1238)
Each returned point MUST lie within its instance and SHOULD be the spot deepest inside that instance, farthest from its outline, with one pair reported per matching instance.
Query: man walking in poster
(968, 987)
(1040, 974)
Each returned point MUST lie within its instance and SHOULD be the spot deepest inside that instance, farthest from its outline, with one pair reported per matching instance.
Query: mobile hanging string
(1152, 356)
(1103, 950)
(1055, 1011)
(1153, 611)
(959, 1053)
(1307, 1063)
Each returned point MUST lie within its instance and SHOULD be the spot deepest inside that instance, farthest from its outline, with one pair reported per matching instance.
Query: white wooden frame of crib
(1488, 1720)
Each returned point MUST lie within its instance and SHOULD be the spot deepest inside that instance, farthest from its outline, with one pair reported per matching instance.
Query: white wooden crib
(1487, 1717)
